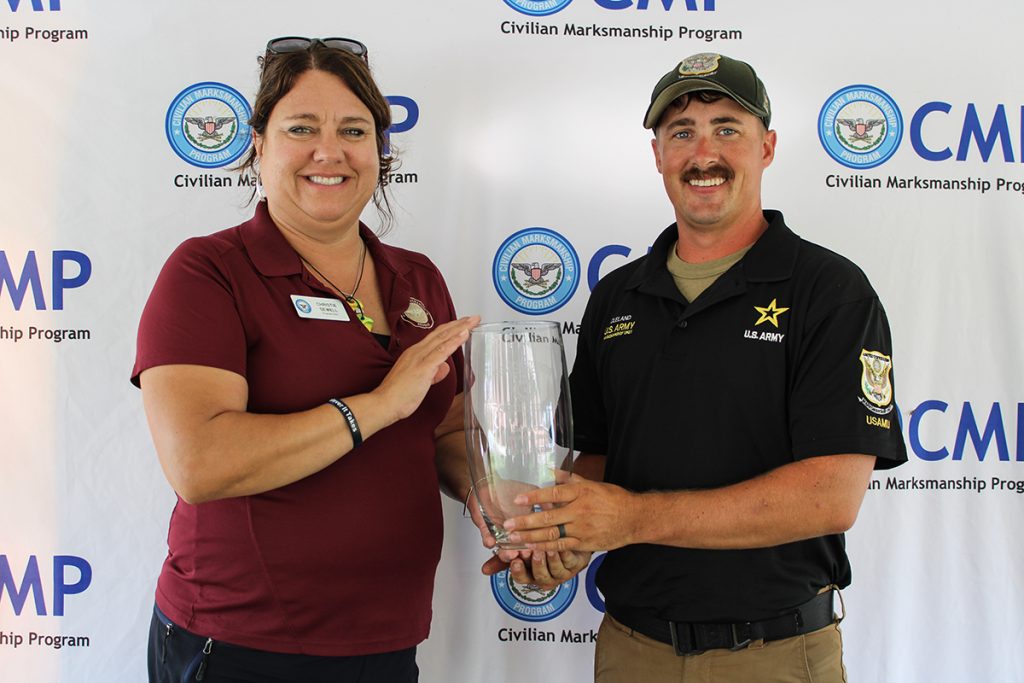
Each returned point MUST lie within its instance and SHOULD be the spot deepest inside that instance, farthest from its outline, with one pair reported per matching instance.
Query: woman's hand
(210, 447)
(545, 570)
(420, 367)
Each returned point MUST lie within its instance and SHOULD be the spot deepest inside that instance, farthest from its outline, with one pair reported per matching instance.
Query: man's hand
(545, 570)
(807, 498)
(593, 515)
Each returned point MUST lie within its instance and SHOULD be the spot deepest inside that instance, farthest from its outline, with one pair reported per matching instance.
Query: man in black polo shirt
(733, 389)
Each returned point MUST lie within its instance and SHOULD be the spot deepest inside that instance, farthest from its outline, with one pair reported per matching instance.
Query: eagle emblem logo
(534, 273)
(875, 382)
(209, 126)
(860, 126)
(704, 63)
(860, 129)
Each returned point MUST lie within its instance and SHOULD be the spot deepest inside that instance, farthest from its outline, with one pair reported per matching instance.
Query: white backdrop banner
(901, 142)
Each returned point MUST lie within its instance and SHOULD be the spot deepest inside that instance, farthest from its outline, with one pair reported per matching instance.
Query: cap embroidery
(698, 65)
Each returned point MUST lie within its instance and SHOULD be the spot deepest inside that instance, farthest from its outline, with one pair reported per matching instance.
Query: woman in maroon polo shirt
(298, 378)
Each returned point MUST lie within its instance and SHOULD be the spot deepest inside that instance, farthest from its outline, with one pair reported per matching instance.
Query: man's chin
(704, 220)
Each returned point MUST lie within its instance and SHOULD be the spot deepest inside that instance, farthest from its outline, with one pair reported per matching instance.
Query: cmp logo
(208, 125)
(32, 583)
(593, 594)
(538, 8)
(527, 601)
(37, 5)
(536, 271)
(302, 306)
(860, 126)
(541, 8)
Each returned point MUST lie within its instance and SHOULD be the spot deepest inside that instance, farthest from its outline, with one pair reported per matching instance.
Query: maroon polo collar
(273, 256)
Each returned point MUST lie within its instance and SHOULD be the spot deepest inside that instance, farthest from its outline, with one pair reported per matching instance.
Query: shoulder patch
(875, 382)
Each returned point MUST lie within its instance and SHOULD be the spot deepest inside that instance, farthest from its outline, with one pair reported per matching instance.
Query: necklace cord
(350, 299)
(359, 275)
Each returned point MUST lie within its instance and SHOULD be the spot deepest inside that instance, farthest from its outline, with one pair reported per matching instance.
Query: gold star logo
(769, 313)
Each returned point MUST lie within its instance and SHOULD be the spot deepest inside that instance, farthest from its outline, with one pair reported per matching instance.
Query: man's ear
(768, 152)
(657, 153)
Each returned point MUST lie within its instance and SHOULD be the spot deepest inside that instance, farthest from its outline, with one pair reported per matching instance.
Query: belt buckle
(737, 643)
(676, 645)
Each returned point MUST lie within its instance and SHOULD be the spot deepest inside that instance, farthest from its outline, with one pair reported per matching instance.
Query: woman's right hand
(421, 366)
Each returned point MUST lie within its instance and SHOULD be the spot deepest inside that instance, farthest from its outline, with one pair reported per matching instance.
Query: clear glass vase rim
(519, 324)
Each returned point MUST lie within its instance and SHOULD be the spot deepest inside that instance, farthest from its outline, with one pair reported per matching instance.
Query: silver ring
(561, 531)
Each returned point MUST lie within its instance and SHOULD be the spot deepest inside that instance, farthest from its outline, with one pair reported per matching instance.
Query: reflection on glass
(518, 416)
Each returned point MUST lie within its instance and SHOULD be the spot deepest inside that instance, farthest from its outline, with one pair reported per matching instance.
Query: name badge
(319, 308)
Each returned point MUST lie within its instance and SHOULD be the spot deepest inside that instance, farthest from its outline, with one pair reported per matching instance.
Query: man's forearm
(804, 499)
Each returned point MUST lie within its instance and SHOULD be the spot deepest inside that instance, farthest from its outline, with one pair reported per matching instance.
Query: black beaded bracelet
(353, 426)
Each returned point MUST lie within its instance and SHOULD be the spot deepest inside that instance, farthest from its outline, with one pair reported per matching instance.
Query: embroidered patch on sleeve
(874, 380)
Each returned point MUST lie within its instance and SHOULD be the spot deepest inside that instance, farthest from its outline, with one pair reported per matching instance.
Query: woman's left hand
(420, 367)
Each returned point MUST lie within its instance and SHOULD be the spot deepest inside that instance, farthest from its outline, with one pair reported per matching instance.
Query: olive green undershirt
(694, 278)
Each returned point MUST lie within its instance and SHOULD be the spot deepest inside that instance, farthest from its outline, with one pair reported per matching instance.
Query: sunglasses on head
(280, 46)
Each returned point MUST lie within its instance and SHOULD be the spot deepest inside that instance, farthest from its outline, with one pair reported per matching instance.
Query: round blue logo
(860, 126)
(207, 125)
(593, 594)
(528, 602)
(536, 271)
(538, 8)
(303, 306)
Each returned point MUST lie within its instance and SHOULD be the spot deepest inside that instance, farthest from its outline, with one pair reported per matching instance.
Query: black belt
(689, 638)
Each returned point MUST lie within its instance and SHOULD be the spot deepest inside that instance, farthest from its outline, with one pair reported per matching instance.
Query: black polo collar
(773, 256)
(771, 259)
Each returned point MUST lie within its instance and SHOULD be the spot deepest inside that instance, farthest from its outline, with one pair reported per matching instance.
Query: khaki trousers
(625, 656)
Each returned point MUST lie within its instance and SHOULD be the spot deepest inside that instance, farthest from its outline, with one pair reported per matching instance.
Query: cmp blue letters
(691, 5)
(971, 131)
(1000, 129)
(967, 429)
(32, 582)
(412, 116)
(37, 5)
(30, 279)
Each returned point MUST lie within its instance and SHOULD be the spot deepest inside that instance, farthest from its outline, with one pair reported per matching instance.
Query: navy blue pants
(178, 656)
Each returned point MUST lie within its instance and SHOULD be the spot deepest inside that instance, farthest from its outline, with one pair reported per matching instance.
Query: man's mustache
(712, 171)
